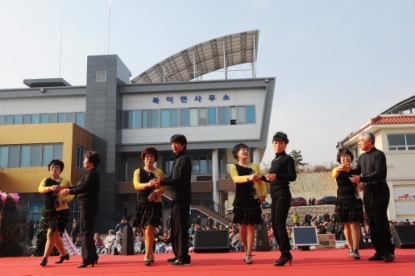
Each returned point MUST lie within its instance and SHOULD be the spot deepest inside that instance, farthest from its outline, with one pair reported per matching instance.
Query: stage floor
(316, 262)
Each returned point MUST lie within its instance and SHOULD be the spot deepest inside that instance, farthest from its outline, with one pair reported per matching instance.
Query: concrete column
(255, 156)
(215, 178)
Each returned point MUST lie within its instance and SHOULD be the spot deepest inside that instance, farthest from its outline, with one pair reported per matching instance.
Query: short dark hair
(237, 148)
(280, 136)
(179, 138)
(56, 162)
(93, 157)
(344, 151)
(150, 150)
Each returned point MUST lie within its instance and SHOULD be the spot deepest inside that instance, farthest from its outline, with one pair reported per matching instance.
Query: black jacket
(180, 178)
(87, 190)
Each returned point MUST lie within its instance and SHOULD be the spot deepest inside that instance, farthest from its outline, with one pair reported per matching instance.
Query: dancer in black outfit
(373, 170)
(181, 190)
(87, 190)
(282, 171)
(349, 206)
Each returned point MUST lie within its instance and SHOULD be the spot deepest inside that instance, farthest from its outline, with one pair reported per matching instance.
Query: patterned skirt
(56, 220)
(247, 211)
(147, 213)
(348, 210)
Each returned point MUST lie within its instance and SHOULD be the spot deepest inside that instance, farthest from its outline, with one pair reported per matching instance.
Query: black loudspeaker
(211, 241)
(127, 246)
(262, 243)
(403, 236)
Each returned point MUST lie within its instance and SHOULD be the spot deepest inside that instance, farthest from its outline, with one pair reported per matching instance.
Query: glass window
(196, 165)
(36, 156)
(241, 115)
(8, 120)
(27, 119)
(154, 118)
(70, 118)
(126, 119)
(184, 117)
(150, 118)
(79, 119)
(165, 118)
(410, 140)
(80, 152)
(44, 118)
(25, 156)
(396, 142)
(250, 114)
(168, 164)
(57, 151)
(174, 117)
(193, 117)
(13, 160)
(136, 119)
(203, 164)
(224, 115)
(233, 115)
(17, 119)
(35, 119)
(47, 154)
(202, 117)
(4, 156)
(1, 120)
(52, 118)
(212, 116)
(61, 117)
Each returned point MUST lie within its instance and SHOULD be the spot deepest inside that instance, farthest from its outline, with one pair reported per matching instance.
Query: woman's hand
(271, 177)
(343, 168)
(64, 192)
(261, 198)
(152, 196)
(54, 188)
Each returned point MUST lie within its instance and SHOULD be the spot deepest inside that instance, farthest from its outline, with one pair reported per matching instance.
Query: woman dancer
(282, 171)
(250, 192)
(148, 210)
(56, 215)
(87, 190)
(349, 206)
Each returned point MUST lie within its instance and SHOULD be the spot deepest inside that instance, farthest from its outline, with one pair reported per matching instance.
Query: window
(193, 120)
(17, 119)
(52, 118)
(35, 119)
(22, 156)
(250, 114)
(25, 156)
(150, 118)
(79, 159)
(79, 119)
(13, 161)
(168, 165)
(132, 119)
(27, 119)
(8, 120)
(70, 118)
(184, 117)
(224, 115)
(202, 117)
(212, 116)
(241, 115)
(401, 142)
(61, 117)
(169, 117)
(201, 164)
(36, 156)
(1, 120)
(47, 154)
(44, 118)
(4, 156)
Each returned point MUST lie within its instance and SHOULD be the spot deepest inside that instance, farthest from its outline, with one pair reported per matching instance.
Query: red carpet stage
(317, 262)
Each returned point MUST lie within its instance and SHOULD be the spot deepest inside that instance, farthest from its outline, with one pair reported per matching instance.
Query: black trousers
(279, 213)
(87, 222)
(179, 235)
(376, 200)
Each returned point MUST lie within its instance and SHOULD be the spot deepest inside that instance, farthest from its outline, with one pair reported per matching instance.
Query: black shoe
(389, 258)
(356, 255)
(283, 259)
(248, 259)
(44, 262)
(62, 258)
(172, 260)
(96, 259)
(83, 265)
(179, 263)
(147, 262)
(376, 257)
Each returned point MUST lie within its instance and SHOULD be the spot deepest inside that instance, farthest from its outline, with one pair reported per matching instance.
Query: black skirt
(247, 211)
(56, 220)
(348, 210)
(147, 213)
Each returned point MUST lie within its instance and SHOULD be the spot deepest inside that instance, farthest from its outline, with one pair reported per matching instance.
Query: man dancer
(372, 166)
(180, 182)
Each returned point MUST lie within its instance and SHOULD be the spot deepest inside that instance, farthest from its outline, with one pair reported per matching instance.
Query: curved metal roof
(407, 104)
(239, 48)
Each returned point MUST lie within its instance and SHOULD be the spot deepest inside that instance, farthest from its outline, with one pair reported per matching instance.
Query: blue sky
(337, 63)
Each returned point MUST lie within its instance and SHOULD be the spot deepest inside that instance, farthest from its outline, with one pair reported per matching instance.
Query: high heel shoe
(96, 259)
(83, 265)
(283, 259)
(356, 255)
(147, 262)
(62, 258)
(44, 262)
(248, 259)
(351, 252)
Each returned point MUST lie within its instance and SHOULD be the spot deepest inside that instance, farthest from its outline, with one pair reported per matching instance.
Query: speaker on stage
(262, 243)
(127, 246)
(211, 241)
(403, 236)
